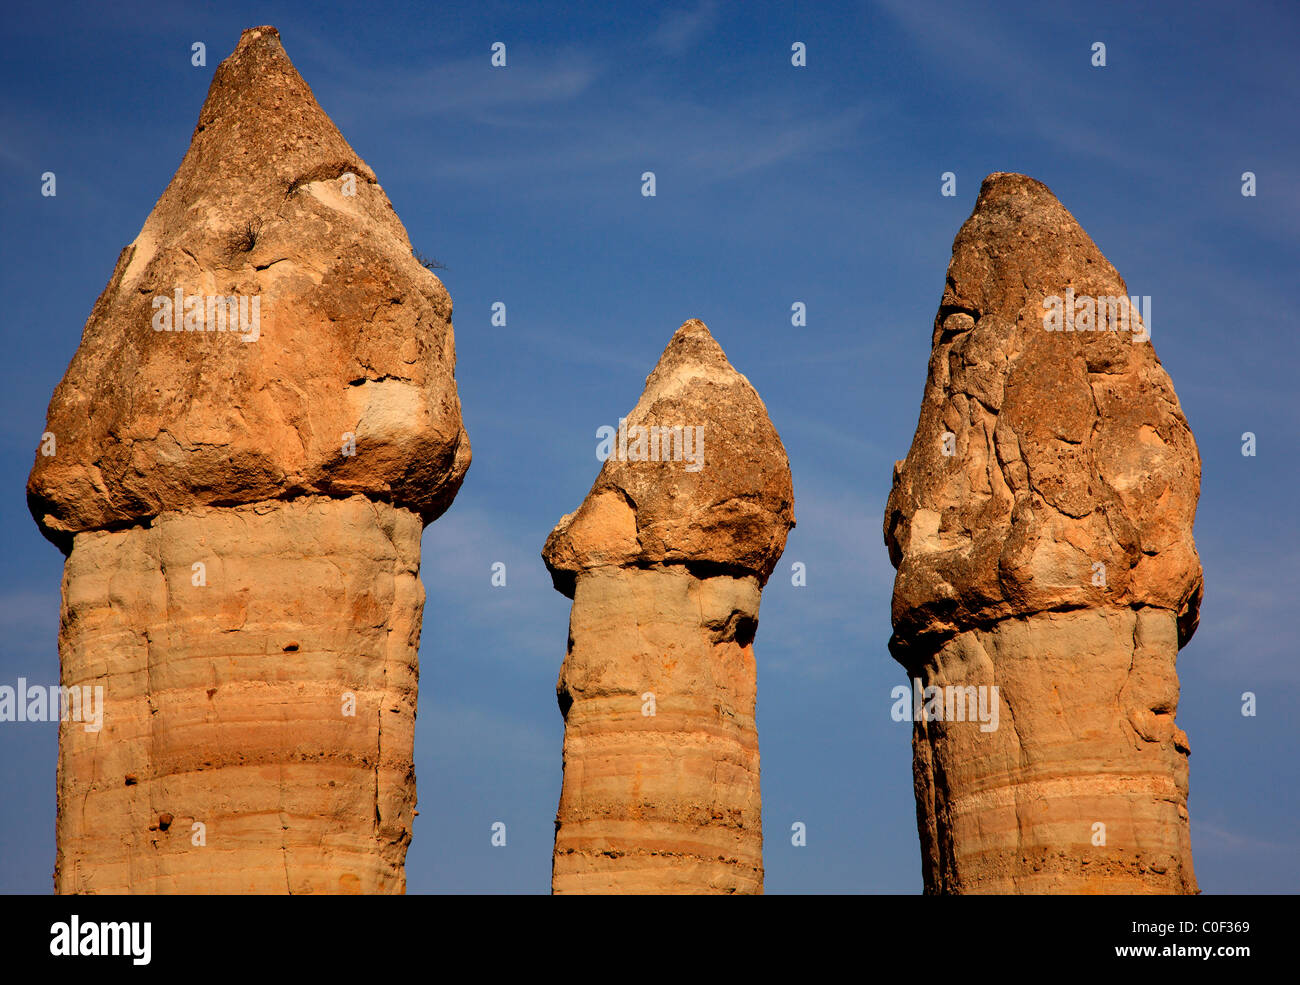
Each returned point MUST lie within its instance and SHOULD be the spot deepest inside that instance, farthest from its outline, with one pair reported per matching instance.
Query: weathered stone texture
(1041, 526)
(295, 461)
(665, 567)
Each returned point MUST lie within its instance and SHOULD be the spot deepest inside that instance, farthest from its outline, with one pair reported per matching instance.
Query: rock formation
(259, 421)
(665, 561)
(1041, 526)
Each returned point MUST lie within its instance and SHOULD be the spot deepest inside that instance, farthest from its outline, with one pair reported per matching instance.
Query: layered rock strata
(259, 421)
(1041, 526)
(665, 561)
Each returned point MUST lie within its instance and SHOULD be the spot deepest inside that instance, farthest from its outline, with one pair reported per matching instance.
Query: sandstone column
(1041, 526)
(665, 561)
(259, 421)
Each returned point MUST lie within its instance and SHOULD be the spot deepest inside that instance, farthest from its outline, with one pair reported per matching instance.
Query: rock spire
(260, 419)
(1041, 526)
(665, 561)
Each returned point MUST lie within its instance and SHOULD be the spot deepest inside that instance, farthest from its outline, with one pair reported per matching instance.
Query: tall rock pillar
(1041, 526)
(665, 561)
(259, 421)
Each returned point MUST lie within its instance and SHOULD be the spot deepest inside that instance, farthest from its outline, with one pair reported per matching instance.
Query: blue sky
(775, 184)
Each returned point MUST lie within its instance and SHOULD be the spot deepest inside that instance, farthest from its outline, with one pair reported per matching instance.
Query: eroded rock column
(259, 421)
(1041, 526)
(665, 562)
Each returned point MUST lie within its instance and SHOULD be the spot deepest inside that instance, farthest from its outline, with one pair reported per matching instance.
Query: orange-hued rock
(1041, 526)
(354, 335)
(665, 562)
(242, 511)
(273, 704)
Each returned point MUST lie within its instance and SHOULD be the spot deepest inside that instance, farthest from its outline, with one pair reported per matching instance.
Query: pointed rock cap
(1068, 449)
(725, 502)
(341, 378)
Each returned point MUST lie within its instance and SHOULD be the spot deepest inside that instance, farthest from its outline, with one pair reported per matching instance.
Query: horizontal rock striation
(665, 563)
(1041, 526)
(259, 421)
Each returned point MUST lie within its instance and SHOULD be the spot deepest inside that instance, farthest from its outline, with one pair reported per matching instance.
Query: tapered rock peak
(259, 421)
(268, 334)
(1041, 450)
(665, 562)
(1041, 526)
(696, 473)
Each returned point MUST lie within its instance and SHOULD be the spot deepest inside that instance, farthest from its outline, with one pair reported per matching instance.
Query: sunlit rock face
(1041, 526)
(259, 421)
(665, 561)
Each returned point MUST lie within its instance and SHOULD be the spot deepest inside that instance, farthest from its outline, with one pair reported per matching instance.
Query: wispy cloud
(470, 87)
(1229, 842)
(681, 29)
(586, 116)
(701, 144)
